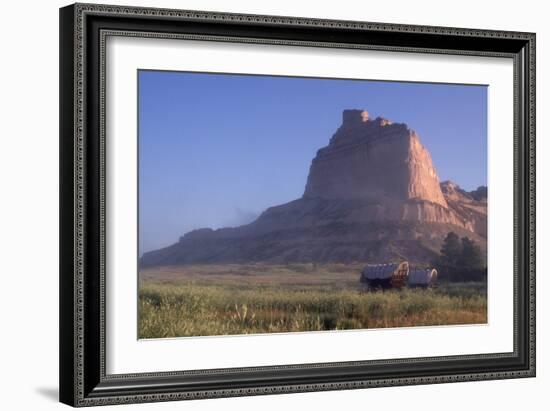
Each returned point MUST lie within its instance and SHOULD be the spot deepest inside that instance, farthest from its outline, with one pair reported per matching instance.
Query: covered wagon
(392, 275)
(422, 277)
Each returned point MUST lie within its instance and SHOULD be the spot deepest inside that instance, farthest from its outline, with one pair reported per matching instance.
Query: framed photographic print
(261, 204)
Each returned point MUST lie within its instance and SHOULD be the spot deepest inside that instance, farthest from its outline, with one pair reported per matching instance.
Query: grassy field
(260, 298)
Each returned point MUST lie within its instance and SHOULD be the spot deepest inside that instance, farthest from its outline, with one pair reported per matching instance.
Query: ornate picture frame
(84, 30)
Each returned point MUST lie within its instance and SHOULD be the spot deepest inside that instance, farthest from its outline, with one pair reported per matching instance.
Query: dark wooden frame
(83, 29)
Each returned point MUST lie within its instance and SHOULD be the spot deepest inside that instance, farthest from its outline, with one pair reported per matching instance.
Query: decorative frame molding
(83, 32)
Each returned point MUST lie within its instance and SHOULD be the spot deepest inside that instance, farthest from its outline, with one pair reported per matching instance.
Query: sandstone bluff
(372, 194)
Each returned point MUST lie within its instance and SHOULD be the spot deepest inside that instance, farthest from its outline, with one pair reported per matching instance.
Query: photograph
(279, 204)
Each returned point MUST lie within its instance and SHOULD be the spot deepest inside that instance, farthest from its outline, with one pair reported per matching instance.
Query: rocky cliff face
(372, 194)
(468, 207)
(374, 159)
(382, 163)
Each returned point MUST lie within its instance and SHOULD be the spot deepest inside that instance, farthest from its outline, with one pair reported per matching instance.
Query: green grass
(246, 299)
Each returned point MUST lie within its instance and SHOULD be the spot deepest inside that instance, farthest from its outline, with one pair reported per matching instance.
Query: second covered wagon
(422, 277)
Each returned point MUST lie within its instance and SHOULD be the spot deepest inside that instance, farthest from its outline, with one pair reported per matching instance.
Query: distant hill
(372, 194)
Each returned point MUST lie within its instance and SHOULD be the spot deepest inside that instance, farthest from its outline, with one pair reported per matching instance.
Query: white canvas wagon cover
(379, 271)
(422, 276)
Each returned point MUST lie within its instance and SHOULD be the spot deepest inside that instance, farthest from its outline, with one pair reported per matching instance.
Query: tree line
(461, 259)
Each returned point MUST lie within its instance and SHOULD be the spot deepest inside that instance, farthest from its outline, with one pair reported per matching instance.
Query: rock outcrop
(470, 207)
(372, 195)
(375, 160)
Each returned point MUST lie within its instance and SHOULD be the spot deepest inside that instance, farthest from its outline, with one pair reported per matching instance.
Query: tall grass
(190, 308)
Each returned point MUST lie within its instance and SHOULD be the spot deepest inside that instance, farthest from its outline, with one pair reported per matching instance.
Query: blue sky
(215, 150)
